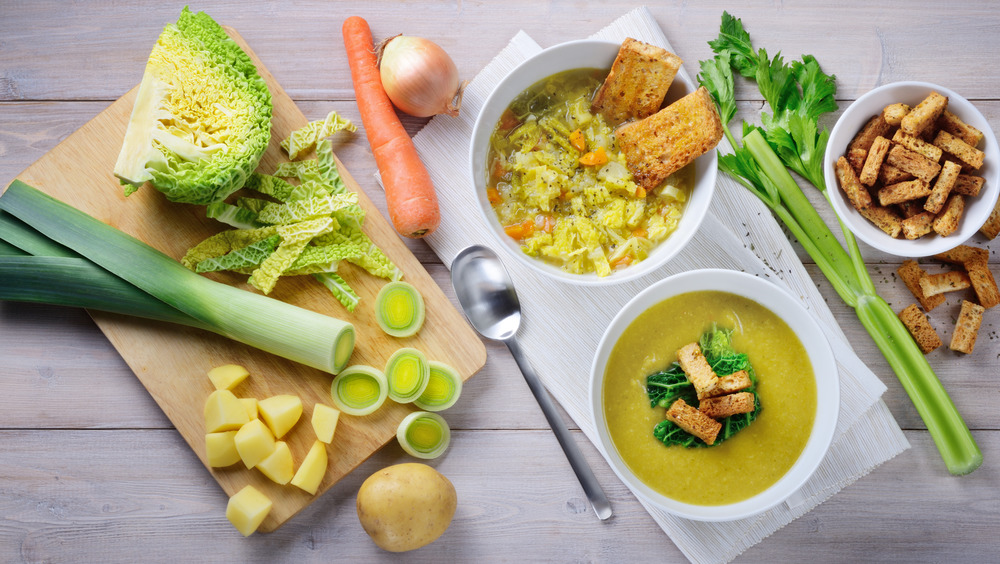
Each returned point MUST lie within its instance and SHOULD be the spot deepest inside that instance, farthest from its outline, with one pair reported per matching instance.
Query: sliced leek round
(359, 389)
(408, 373)
(424, 435)
(443, 388)
(399, 309)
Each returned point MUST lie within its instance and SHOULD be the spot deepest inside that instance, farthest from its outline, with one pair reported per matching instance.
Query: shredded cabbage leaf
(304, 140)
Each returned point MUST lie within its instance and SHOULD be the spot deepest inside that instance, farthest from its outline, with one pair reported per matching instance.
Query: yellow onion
(419, 77)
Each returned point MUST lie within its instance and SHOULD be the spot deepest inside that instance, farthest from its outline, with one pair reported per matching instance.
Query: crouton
(875, 127)
(954, 125)
(991, 228)
(911, 273)
(735, 382)
(946, 222)
(967, 327)
(950, 281)
(730, 404)
(869, 172)
(968, 185)
(959, 149)
(849, 183)
(661, 144)
(963, 254)
(856, 157)
(983, 282)
(920, 327)
(698, 371)
(638, 82)
(694, 421)
(903, 191)
(885, 219)
(913, 163)
(924, 114)
(918, 225)
(894, 113)
(942, 187)
(911, 208)
(889, 174)
(917, 145)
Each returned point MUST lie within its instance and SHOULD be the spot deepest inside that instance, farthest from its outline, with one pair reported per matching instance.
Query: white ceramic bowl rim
(809, 333)
(977, 209)
(590, 54)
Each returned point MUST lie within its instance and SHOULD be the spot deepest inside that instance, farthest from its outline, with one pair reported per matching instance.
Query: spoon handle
(593, 490)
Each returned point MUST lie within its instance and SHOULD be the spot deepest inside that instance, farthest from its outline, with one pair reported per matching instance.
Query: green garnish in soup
(559, 185)
(743, 465)
(664, 387)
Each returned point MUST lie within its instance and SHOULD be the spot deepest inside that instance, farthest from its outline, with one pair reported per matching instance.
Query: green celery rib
(292, 332)
(77, 282)
(954, 441)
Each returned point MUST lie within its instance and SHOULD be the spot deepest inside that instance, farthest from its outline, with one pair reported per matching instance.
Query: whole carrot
(409, 191)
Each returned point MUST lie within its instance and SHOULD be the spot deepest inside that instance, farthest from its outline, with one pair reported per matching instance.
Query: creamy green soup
(757, 456)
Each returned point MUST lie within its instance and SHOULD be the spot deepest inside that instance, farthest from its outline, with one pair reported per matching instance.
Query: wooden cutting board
(172, 361)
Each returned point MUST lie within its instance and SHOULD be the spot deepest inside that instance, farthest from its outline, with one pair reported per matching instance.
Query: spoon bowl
(487, 295)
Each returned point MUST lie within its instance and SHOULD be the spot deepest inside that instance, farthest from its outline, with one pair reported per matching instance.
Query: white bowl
(977, 209)
(801, 322)
(562, 57)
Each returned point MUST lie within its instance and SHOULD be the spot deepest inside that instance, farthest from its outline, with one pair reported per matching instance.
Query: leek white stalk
(270, 325)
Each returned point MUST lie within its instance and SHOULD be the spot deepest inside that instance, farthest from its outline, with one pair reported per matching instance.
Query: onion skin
(419, 77)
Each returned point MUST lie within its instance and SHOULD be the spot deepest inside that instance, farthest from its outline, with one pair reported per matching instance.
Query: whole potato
(406, 506)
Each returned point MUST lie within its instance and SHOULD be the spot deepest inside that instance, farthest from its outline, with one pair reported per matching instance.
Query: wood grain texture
(93, 471)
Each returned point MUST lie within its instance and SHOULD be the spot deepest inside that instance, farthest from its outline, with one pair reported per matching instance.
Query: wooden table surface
(92, 471)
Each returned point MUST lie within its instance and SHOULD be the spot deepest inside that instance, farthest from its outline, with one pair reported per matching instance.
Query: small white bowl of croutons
(913, 169)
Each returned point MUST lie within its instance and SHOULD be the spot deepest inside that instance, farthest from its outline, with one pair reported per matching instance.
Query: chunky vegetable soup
(559, 185)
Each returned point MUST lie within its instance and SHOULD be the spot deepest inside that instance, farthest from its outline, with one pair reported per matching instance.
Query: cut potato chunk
(247, 509)
(227, 376)
(220, 449)
(224, 412)
(324, 422)
(312, 469)
(251, 405)
(254, 442)
(281, 413)
(279, 467)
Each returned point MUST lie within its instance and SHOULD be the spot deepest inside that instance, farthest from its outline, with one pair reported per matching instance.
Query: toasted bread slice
(858, 195)
(694, 421)
(638, 82)
(968, 185)
(983, 282)
(946, 222)
(698, 371)
(911, 273)
(735, 382)
(959, 149)
(862, 141)
(918, 225)
(943, 186)
(730, 404)
(885, 219)
(661, 144)
(967, 327)
(924, 114)
(950, 281)
(925, 335)
(991, 228)
(894, 113)
(903, 192)
(954, 125)
(963, 254)
(913, 163)
(876, 155)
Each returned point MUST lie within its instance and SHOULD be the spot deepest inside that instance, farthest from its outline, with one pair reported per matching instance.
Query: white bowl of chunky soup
(582, 222)
(745, 327)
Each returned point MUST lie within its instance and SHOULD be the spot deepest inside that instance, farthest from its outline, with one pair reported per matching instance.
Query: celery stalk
(295, 333)
(798, 94)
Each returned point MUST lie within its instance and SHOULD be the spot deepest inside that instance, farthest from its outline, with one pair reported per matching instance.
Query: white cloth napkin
(560, 347)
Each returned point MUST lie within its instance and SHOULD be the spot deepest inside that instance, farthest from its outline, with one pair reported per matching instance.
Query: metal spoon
(487, 295)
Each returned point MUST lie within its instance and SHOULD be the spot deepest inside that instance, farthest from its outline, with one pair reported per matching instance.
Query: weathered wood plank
(87, 492)
(96, 51)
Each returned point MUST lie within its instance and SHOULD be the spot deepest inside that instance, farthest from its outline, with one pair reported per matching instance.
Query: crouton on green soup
(559, 185)
(752, 460)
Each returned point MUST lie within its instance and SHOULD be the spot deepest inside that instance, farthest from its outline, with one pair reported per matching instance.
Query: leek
(407, 371)
(399, 309)
(444, 386)
(295, 333)
(424, 435)
(798, 94)
(359, 390)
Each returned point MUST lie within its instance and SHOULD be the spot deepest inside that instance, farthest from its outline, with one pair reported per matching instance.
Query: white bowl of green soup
(552, 183)
(715, 395)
